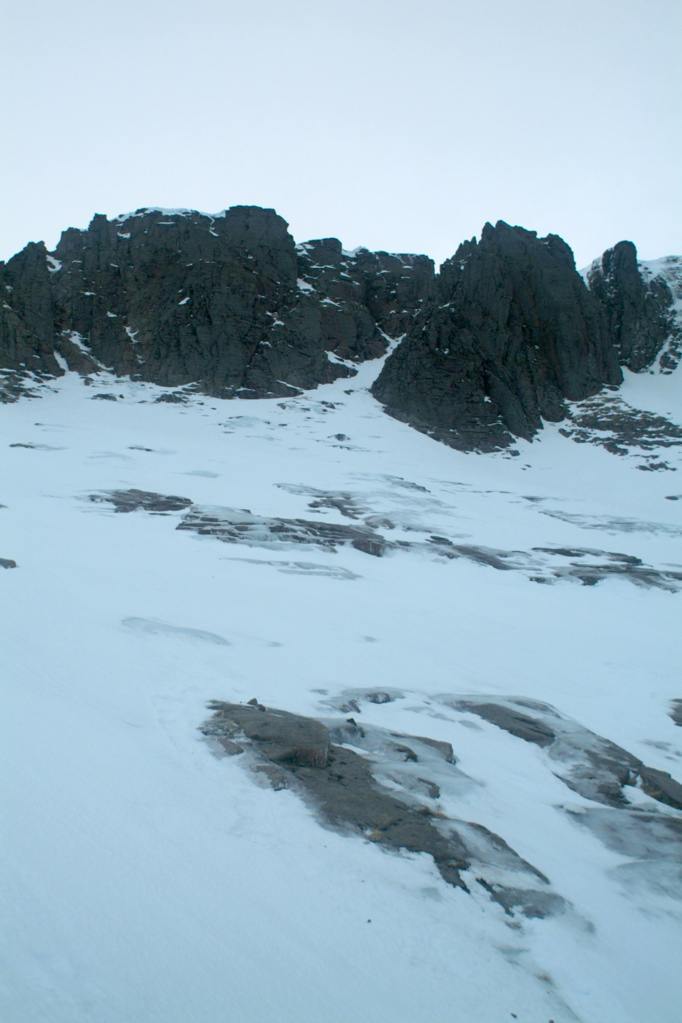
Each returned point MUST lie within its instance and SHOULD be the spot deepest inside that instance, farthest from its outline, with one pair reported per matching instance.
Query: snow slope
(146, 879)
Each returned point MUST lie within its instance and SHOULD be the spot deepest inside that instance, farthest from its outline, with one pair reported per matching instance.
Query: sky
(391, 124)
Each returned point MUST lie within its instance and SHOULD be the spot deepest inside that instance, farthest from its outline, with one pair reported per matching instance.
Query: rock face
(494, 344)
(638, 308)
(364, 297)
(511, 333)
(225, 302)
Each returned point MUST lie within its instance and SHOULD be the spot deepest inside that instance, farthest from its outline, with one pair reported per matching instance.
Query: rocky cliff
(639, 300)
(227, 302)
(513, 331)
(494, 344)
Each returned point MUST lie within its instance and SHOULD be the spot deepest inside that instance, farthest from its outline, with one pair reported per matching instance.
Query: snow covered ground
(147, 880)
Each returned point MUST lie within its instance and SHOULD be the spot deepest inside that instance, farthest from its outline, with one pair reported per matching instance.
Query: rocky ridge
(494, 344)
(228, 303)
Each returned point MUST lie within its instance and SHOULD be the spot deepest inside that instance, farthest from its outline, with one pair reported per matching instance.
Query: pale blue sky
(391, 124)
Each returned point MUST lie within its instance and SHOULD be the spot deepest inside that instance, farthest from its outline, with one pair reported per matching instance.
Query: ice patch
(152, 627)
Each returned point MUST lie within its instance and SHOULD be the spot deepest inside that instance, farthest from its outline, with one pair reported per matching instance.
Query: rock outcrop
(349, 793)
(365, 297)
(241, 527)
(638, 307)
(511, 334)
(227, 303)
(589, 764)
(490, 347)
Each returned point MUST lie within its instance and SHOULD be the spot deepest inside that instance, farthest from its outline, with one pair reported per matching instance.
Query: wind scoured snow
(147, 880)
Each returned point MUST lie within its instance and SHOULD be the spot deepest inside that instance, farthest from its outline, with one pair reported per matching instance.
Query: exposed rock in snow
(340, 767)
(487, 350)
(586, 565)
